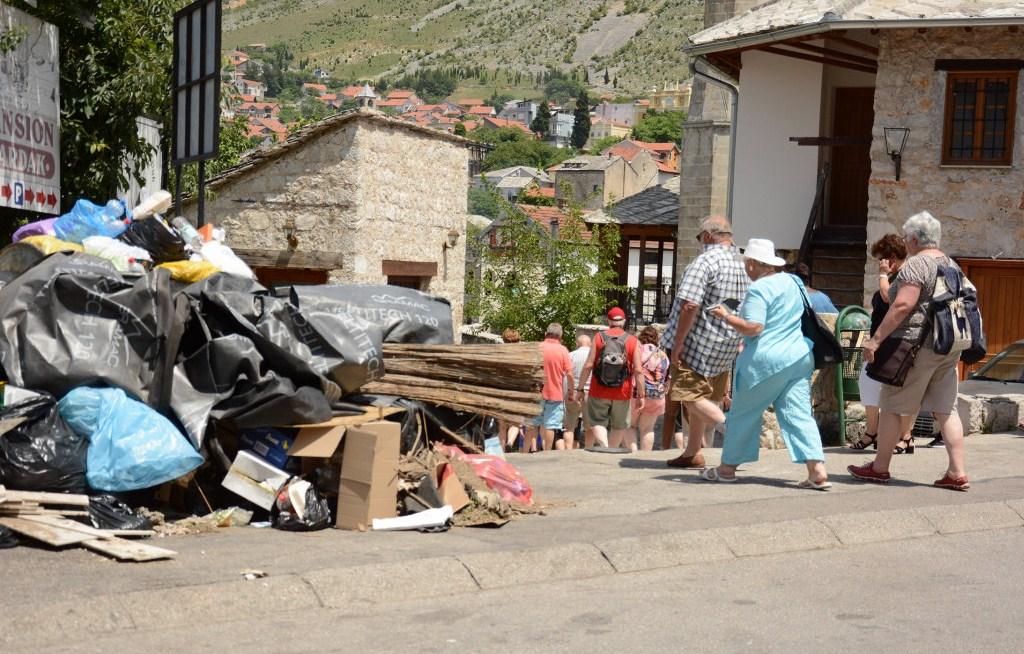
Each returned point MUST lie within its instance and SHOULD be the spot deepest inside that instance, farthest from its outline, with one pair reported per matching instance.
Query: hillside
(637, 41)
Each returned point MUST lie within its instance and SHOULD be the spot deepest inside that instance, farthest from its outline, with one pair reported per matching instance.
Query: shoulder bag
(826, 348)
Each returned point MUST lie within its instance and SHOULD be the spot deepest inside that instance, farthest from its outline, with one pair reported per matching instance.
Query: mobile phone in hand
(729, 303)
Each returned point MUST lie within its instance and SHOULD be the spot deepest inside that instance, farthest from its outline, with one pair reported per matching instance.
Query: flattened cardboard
(450, 487)
(317, 441)
(254, 479)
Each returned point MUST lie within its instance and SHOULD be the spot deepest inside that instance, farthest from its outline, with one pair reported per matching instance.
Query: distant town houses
(248, 87)
(510, 182)
(595, 181)
(259, 109)
(625, 113)
(602, 128)
(523, 111)
(665, 155)
(671, 97)
(269, 130)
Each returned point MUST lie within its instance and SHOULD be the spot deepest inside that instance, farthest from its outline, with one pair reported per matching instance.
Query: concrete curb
(359, 589)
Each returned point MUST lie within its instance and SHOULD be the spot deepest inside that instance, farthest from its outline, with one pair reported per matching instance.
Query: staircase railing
(816, 216)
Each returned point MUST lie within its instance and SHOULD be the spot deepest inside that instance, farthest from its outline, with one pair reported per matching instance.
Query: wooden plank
(409, 268)
(126, 550)
(855, 45)
(857, 59)
(318, 260)
(67, 499)
(818, 60)
(49, 534)
(371, 414)
(72, 525)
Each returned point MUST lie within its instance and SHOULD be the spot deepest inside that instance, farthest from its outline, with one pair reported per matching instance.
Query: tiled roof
(547, 192)
(392, 103)
(544, 215)
(657, 205)
(667, 168)
(301, 136)
(585, 162)
(351, 91)
(470, 102)
(482, 110)
(500, 123)
(402, 94)
(825, 15)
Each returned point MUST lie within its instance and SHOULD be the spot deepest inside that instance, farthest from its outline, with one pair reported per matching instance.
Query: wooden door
(854, 116)
(1000, 287)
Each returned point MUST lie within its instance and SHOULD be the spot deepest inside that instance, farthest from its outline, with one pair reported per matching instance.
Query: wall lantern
(452, 239)
(895, 140)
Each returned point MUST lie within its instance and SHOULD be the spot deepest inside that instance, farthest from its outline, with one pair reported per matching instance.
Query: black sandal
(862, 444)
(904, 446)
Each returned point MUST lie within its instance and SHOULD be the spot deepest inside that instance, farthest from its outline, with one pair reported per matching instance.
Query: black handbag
(826, 348)
(893, 360)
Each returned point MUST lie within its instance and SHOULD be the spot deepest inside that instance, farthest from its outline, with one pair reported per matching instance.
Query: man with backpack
(617, 370)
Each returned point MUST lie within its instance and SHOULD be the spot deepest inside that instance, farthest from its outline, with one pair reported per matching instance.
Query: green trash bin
(852, 327)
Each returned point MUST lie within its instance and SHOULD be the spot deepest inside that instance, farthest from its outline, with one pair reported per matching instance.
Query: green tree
(498, 100)
(581, 124)
(542, 121)
(601, 145)
(527, 152)
(530, 279)
(234, 142)
(460, 129)
(560, 89)
(483, 201)
(113, 69)
(312, 109)
(660, 127)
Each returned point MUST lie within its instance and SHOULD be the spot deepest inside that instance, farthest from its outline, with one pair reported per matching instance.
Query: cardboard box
(254, 479)
(369, 477)
(271, 443)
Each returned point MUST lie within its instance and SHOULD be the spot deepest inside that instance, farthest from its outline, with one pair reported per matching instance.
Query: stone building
(356, 198)
(854, 115)
(596, 181)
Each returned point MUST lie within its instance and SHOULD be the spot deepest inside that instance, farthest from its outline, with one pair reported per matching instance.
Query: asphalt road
(955, 593)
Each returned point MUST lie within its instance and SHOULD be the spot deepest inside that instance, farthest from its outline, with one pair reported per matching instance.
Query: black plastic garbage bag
(8, 538)
(108, 512)
(157, 238)
(330, 350)
(316, 514)
(73, 321)
(406, 315)
(38, 450)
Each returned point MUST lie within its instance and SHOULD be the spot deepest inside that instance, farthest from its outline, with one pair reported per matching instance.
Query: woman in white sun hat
(774, 369)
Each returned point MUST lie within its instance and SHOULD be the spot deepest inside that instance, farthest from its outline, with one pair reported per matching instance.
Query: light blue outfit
(774, 369)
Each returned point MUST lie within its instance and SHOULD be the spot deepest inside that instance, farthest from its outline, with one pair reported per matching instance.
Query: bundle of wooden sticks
(500, 380)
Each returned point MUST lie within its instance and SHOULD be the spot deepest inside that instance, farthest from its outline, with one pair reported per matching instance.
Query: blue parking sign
(19, 194)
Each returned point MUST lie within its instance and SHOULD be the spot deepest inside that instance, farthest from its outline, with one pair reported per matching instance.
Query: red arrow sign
(51, 199)
(6, 191)
(29, 195)
(40, 197)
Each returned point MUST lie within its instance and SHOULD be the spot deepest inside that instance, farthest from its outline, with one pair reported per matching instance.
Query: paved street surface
(630, 553)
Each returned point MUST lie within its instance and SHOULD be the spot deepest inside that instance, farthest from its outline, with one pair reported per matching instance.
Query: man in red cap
(617, 369)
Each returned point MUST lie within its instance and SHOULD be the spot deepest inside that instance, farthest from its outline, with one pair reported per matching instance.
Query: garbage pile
(142, 358)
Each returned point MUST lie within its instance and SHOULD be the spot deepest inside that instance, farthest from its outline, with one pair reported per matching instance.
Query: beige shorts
(573, 411)
(930, 387)
(685, 385)
(610, 414)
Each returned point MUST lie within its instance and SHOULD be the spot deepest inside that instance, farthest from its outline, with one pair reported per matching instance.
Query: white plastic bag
(224, 258)
(122, 255)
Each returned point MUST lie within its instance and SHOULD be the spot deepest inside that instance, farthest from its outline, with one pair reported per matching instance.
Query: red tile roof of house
(251, 83)
(329, 97)
(499, 123)
(471, 102)
(247, 98)
(656, 147)
(272, 107)
(352, 91)
(315, 87)
(629, 148)
(667, 168)
(392, 103)
(481, 110)
(402, 94)
(539, 192)
(544, 215)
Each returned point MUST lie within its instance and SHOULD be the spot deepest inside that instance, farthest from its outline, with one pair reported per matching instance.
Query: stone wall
(368, 191)
(981, 208)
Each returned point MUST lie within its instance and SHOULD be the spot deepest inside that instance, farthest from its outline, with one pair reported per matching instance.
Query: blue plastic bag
(131, 446)
(87, 219)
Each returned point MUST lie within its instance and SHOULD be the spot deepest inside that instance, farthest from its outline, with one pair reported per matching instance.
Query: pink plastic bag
(500, 476)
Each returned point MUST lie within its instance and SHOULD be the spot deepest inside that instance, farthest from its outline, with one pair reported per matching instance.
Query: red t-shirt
(599, 390)
(556, 365)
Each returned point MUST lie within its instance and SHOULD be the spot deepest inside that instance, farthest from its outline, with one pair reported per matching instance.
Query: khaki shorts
(930, 387)
(686, 385)
(573, 411)
(610, 414)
